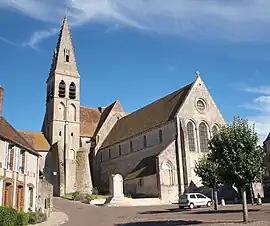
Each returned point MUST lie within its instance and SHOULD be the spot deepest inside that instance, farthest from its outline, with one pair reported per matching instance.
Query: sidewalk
(56, 219)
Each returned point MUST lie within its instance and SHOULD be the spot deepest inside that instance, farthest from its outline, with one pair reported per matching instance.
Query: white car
(192, 200)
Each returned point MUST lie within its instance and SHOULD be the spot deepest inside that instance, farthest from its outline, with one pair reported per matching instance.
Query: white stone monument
(116, 187)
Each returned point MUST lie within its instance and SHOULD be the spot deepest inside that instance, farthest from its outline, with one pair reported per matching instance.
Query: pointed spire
(64, 57)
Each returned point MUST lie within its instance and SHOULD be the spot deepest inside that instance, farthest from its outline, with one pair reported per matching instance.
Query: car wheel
(208, 204)
(191, 206)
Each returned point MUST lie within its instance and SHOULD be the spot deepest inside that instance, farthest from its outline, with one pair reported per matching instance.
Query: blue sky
(137, 51)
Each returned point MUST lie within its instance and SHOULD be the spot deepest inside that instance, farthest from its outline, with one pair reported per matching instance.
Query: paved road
(87, 215)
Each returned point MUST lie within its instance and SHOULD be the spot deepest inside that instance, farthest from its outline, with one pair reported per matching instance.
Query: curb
(56, 219)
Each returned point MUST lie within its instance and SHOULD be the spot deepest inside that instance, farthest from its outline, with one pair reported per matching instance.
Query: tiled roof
(89, 118)
(148, 117)
(146, 167)
(36, 139)
(12, 135)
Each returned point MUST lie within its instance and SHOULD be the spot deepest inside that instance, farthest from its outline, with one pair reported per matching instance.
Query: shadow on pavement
(221, 211)
(161, 223)
(174, 210)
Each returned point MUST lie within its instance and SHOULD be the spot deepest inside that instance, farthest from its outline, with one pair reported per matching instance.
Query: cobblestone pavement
(85, 215)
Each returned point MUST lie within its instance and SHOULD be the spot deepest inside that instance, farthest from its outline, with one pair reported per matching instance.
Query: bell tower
(62, 118)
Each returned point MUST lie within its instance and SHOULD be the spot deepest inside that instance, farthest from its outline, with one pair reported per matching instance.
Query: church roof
(267, 138)
(148, 117)
(146, 167)
(116, 106)
(89, 118)
(9, 133)
(36, 139)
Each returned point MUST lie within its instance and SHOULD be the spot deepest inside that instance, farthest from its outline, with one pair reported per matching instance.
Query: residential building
(19, 171)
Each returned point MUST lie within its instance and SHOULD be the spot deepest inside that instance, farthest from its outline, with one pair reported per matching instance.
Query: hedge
(11, 217)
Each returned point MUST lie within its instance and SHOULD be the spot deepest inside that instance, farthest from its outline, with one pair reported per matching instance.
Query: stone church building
(153, 148)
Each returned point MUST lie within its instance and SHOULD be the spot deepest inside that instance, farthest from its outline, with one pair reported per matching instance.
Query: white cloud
(234, 20)
(261, 104)
(38, 36)
(8, 41)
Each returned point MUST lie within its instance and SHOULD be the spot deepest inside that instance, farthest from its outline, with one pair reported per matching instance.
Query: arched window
(62, 89)
(203, 135)
(214, 129)
(168, 175)
(72, 91)
(61, 111)
(144, 142)
(191, 136)
(160, 136)
(72, 112)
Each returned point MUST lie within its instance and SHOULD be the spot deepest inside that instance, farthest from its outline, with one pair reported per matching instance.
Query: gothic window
(67, 55)
(191, 136)
(168, 175)
(61, 111)
(131, 146)
(62, 89)
(72, 112)
(101, 156)
(72, 91)
(110, 153)
(144, 141)
(203, 135)
(214, 129)
(160, 136)
(120, 150)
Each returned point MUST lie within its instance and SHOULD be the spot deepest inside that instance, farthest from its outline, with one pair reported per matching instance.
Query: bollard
(223, 202)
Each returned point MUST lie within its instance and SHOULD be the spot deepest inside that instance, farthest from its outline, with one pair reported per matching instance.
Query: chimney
(1, 99)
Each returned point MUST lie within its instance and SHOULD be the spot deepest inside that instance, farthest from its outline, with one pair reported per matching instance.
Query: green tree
(207, 170)
(240, 160)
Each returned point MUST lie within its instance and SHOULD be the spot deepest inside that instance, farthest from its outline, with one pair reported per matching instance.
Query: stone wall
(83, 175)
(45, 196)
(142, 187)
(124, 164)
(168, 183)
(189, 113)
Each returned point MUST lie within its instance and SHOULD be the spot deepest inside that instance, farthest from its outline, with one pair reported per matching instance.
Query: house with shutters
(19, 167)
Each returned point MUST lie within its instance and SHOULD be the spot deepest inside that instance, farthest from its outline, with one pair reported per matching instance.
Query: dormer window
(67, 54)
(62, 89)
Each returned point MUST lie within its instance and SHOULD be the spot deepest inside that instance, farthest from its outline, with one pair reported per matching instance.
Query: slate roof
(148, 117)
(12, 135)
(146, 167)
(36, 139)
(89, 118)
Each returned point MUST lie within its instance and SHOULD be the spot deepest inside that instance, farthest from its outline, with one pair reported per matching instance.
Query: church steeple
(64, 60)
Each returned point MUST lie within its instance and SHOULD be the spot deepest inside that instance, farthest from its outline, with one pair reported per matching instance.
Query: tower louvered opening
(72, 91)
(62, 89)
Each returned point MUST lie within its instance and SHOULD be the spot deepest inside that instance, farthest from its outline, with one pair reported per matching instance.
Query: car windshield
(183, 197)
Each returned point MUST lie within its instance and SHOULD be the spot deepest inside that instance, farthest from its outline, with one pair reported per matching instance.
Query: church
(154, 148)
